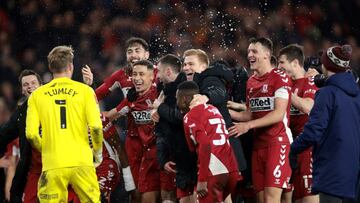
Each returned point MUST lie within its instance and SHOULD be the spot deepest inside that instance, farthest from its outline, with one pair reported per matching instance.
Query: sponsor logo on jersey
(262, 104)
(142, 117)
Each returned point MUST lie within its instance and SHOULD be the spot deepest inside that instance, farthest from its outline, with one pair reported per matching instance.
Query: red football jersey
(260, 99)
(119, 79)
(306, 89)
(206, 133)
(139, 116)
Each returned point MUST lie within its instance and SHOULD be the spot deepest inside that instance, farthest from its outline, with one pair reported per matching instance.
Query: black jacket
(14, 128)
(212, 83)
(171, 142)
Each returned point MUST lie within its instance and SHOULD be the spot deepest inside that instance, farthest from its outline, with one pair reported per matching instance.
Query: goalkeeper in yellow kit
(65, 110)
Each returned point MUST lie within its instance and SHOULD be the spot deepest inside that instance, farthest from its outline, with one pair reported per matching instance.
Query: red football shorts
(270, 167)
(30, 191)
(189, 190)
(303, 175)
(220, 186)
(134, 151)
(151, 176)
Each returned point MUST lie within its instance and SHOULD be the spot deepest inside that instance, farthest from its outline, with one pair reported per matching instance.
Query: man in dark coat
(172, 151)
(212, 82)
(14, 128)
(333, 130)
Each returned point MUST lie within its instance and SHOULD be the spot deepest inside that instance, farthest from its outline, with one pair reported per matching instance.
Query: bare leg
(272, 194)
(150, 197)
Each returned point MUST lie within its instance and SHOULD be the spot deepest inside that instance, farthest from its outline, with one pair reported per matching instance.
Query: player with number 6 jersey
(268, 107)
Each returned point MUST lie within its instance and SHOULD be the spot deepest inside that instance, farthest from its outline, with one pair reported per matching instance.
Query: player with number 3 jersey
(218, 174)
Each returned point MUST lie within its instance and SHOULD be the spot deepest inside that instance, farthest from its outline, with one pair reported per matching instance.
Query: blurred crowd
(98, 29)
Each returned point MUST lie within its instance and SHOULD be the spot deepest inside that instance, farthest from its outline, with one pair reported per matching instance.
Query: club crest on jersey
(261, 104)
(264, 88)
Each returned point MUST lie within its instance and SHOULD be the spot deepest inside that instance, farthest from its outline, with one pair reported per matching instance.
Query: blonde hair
(59, 58)
(202, 56)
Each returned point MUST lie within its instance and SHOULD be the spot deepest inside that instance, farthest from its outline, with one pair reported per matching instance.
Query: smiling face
(142, 78)
(257, 55)
(286, 65)
(136, 52)
(29, 84)
(192, 65)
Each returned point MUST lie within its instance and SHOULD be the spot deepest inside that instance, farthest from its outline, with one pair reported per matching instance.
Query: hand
(87, 75)
(155, 117)
(201, 189)
(4, 162)
(169, 167)
(236, 106)
(97, 157)
(294, 96)
(105, 121)
(311, 72)
(124, 111)
(159, 100)
(198, 99)
(161, 97)
(239, 128)
(109, 115)
(157, 103)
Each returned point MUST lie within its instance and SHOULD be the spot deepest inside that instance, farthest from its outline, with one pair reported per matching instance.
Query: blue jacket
(333, 130)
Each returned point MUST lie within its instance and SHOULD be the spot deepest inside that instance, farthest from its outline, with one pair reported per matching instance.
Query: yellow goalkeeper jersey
(65, 110)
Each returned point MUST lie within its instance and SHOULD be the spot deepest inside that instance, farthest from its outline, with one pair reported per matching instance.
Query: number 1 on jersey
(62, 113)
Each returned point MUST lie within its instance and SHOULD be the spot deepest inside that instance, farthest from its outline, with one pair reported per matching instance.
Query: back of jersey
(65, 109)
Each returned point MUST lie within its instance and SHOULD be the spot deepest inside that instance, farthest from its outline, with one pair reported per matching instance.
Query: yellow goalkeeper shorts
(53, 184)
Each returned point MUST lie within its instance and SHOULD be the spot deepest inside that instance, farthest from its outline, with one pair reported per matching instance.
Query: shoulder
(325, 93)
(279, 78)
(278, 74)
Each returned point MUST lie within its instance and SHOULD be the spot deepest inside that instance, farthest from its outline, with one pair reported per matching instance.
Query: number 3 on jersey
(220, 130)
(62, 104)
